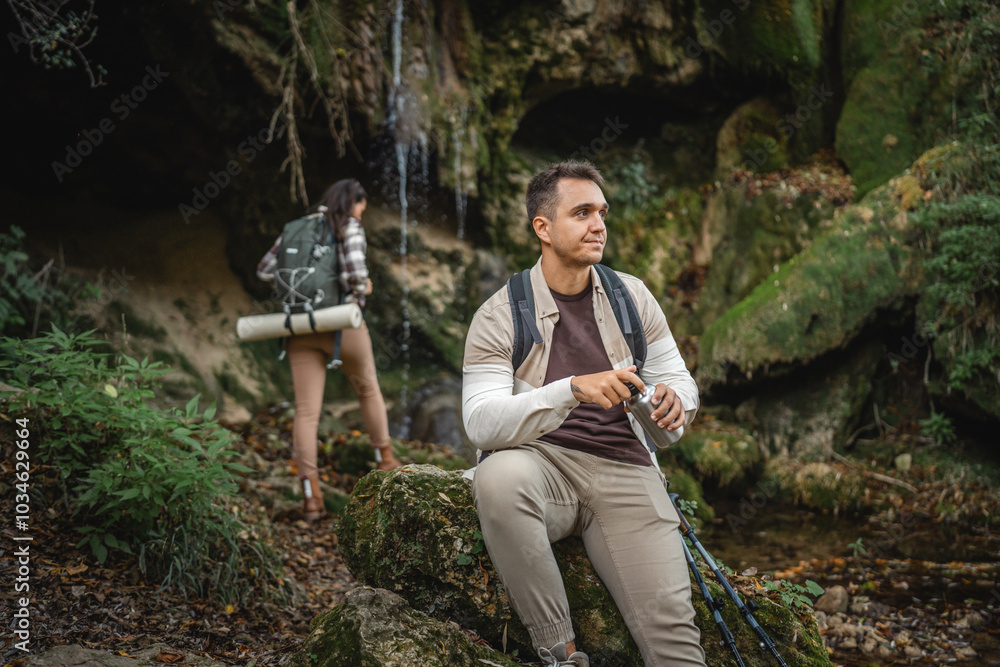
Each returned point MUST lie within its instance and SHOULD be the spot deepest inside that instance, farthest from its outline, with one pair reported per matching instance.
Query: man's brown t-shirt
(577, 349)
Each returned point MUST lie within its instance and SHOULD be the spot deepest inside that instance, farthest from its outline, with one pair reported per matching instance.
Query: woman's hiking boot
(312, 499)
(386, 458)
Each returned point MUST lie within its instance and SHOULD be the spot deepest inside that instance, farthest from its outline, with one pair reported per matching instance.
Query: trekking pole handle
(685, 526)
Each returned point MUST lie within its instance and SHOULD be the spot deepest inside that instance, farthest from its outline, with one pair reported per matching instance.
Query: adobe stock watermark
(122, 107)
(117, 284)
(902, 16)
(788, 126)
(219, 180)
(713, 30)
(753, 503)
(612, 130)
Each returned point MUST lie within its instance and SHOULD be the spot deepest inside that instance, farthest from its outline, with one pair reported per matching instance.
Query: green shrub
(32, 299)
(155, 483)
(938, 427)
(20, 293)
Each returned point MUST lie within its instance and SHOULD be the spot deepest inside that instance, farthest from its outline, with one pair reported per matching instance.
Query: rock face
(816, 302)
(414, 531)
(889, 116)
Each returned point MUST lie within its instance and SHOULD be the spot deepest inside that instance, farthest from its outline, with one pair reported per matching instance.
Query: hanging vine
(323, 84)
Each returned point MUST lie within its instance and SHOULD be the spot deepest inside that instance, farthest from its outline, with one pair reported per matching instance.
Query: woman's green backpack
(307, 276)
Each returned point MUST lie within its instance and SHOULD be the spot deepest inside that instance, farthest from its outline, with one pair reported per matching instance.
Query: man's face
(577, 234)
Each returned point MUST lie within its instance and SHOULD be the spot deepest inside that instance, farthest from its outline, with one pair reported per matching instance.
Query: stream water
(920, 583)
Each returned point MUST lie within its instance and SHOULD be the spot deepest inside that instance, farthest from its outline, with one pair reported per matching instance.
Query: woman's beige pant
(535, 494)
(308, 356)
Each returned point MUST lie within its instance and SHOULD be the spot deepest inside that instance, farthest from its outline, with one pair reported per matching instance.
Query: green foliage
(141, 480)
(56, 38)
(857, 547)
(630, 182)
(962, 234)
(32, 299)
(687, 506)
(795, 596)
(966, 233)
(20, 292)
(939, 427)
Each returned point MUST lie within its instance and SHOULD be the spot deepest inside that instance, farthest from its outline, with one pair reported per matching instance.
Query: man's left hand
(669, 411)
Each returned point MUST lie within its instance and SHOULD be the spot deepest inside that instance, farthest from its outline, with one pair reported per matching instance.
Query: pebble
(833, 601)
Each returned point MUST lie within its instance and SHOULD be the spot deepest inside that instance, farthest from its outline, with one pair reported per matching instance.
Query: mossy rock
(816, 485)
(722, 456)
(896, 99)
(745, 239)
(743, 139)
(816, 302)
(688, 488)
(374, 627)
(816, 410)
(415, 531)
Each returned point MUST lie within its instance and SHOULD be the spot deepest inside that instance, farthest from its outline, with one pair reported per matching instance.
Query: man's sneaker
(556, 656)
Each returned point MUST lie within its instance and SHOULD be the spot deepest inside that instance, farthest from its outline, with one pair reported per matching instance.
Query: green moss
(781, 35)
(375, 627)
(687, 487)
(816, 485)
(415, 531)
(796, 636)
(899, 94)
(754, 236)
(815, 302)
(721, 455)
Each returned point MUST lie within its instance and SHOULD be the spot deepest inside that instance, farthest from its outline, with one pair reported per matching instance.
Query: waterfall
(397, 107)
(397, 63)
(461, 194)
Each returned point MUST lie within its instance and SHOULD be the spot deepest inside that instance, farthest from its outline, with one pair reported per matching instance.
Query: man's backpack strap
(625, 312)
(522, 310)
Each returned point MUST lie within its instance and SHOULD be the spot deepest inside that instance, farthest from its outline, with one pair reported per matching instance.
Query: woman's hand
(368, 286)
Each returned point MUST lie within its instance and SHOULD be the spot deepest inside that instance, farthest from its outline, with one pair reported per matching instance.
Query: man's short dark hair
(543, 190)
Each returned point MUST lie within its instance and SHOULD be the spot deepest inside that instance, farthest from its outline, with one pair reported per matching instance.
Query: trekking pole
(746, 610)
(713, 605)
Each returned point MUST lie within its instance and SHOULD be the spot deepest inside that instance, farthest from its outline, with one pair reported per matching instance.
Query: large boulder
(415, 532)
(374, 627)
(902, 86)
(819, 300)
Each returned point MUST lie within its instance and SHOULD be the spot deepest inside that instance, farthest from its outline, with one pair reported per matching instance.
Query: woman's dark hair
(339, 199)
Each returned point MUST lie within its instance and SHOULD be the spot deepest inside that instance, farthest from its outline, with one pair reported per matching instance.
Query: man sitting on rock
(563, 456)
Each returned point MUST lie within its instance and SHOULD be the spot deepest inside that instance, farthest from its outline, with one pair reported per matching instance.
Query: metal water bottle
(640, 404)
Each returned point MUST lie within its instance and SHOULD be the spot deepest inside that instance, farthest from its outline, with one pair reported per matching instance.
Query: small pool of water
(777, 537)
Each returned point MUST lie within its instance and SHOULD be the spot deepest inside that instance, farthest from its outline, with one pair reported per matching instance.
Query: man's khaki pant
(532, 495)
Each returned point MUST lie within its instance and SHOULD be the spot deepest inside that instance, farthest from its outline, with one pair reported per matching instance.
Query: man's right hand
(606, 389)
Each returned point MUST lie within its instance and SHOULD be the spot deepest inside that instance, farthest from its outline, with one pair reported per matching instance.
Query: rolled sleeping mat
(272, 325)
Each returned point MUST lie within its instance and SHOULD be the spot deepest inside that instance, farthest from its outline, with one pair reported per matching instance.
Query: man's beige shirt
(502, 409)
